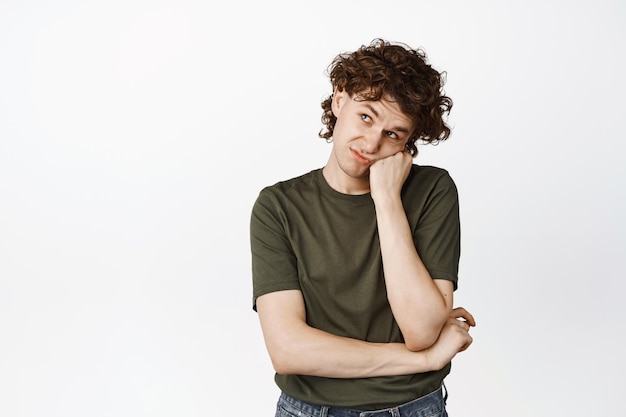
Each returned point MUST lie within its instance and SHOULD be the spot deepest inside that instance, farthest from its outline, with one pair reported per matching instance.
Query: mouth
(360, 158)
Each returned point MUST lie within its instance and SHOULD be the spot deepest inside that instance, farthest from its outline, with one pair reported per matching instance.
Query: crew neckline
(330, 191)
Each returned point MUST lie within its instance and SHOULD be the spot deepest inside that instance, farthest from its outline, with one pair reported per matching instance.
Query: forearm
(297, 348)
(417, 303)
(310, 351)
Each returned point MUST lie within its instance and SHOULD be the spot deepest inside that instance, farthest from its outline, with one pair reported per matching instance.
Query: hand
(387, 175)
(461, 313)
(454, 338)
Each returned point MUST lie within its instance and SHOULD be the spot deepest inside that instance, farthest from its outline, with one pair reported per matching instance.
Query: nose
(371, 142)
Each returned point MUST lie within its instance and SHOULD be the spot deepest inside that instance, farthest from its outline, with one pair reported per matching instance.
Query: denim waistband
(432, 404)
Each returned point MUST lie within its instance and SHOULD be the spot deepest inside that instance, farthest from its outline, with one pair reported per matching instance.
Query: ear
(339, 98)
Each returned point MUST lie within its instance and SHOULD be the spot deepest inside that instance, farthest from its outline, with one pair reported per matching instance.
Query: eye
(392, 135)
(366, 118)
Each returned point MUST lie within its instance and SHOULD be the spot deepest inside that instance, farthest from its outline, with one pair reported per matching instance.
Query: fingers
(464, 332)
(467, 344)
(463, 321)
(402, 157)
(463, 324)
(461, 313)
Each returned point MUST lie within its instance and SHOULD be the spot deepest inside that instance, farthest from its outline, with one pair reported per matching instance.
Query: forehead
(387, 108)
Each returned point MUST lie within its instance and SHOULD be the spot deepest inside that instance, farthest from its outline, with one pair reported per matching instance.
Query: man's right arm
(297, 348)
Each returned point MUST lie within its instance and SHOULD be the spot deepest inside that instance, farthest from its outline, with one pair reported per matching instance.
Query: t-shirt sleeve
(437, 234)
(274, 265)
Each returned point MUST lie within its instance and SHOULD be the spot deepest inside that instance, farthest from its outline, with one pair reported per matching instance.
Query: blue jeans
(431, 405)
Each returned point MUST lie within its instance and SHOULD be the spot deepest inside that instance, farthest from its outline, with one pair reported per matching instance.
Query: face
(365, 132)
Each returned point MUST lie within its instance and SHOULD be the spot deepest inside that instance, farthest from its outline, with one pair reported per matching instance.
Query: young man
(354, 265)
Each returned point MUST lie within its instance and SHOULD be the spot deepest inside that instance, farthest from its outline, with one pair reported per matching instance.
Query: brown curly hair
(395, 72)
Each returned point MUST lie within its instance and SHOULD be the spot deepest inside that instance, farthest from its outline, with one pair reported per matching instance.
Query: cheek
(345, 129)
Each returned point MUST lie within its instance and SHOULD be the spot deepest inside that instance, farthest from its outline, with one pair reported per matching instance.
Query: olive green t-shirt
(307, 236)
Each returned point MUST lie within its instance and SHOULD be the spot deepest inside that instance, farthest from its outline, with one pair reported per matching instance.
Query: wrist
(428, 359)
(387, 200)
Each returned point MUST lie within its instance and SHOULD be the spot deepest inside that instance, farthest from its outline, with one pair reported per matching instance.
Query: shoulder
(277, 205)
(427, 177)
(428, 187)
(429, 172)
(286, 186)
(286, 189)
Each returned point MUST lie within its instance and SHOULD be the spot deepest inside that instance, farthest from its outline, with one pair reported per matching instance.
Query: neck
(340, 182)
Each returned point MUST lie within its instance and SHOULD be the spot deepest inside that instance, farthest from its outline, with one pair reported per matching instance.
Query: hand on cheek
(387, 175)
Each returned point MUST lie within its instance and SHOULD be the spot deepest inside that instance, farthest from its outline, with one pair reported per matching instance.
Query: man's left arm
(420, 304)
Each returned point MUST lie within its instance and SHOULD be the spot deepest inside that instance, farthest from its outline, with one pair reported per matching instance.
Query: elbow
(424, 335)
(282, 368)
(279, 364)
(416, 344)
(283, 361)
(418, 339)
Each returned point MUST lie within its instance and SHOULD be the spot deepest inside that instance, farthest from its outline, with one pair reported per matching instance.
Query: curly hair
(397, 73)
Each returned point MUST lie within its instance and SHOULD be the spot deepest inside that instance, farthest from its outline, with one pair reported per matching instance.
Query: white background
(135, 136)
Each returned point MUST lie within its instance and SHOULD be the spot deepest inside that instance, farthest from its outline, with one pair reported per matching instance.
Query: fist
(387, 175)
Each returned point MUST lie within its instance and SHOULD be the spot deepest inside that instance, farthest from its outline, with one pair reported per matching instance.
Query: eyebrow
(398, 129)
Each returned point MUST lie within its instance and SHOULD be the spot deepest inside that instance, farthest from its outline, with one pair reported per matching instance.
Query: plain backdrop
(136, 135)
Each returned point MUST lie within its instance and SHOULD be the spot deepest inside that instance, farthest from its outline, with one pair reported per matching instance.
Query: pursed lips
(360, 157)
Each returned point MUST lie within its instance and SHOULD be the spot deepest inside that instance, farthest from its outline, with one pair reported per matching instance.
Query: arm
(297, 348)
(420, 304)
